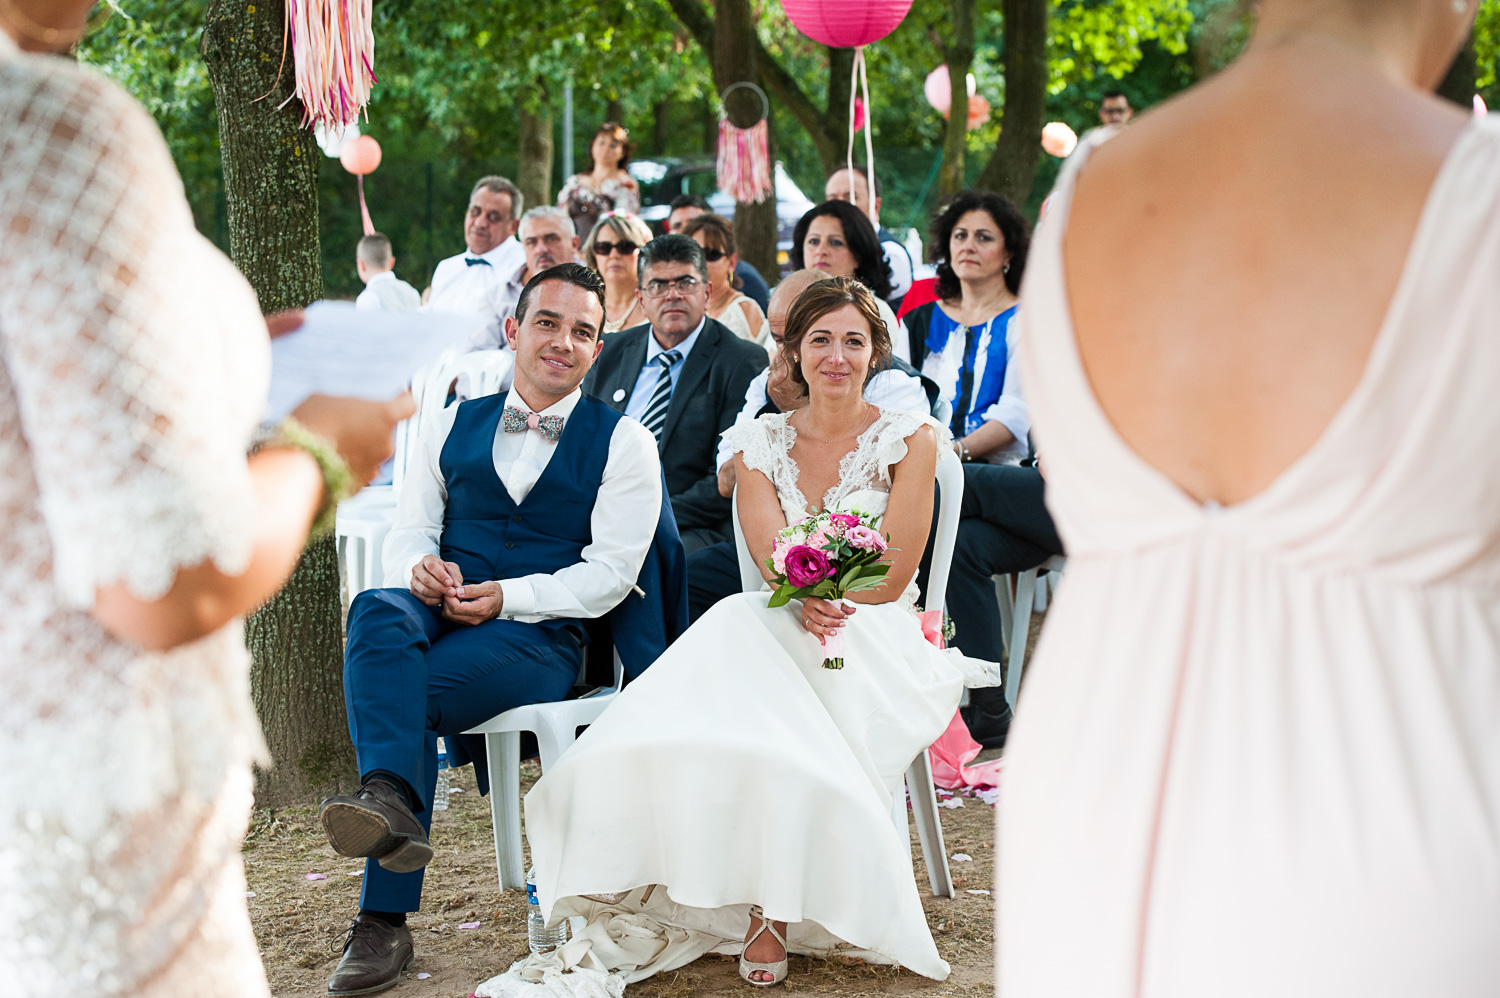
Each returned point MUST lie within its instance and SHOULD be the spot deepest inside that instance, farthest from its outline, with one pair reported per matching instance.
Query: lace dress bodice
(135, 364)
(864, 482)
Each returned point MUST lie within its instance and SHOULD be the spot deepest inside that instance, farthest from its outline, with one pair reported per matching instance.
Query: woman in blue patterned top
(965, 341)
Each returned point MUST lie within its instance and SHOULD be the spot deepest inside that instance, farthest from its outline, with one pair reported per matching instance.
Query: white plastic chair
(919, 786)
(556, 727)
(1015, 615)
(482, 372)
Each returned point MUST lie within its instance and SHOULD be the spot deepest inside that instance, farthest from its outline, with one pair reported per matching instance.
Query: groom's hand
(432, 578)
(474, 603)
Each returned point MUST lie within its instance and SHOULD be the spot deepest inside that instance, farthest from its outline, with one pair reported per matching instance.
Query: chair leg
(503, 750)
(1020, 630)
(1040, 603)
(1007, 604)
(924, 810)
(553, 742)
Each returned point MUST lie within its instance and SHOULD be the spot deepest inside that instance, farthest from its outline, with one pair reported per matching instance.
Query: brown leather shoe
(376, 954)
(375, 822)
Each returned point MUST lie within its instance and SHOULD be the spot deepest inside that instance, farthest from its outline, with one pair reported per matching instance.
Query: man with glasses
(683, 376)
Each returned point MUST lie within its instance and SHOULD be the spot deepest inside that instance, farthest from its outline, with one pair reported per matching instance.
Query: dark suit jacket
(709, 394)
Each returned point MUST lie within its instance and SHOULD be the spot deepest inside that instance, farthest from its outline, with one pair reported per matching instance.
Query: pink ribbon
(951, 753)
(932, 626)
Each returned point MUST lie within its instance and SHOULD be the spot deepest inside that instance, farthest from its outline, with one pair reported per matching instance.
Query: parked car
(663, 179)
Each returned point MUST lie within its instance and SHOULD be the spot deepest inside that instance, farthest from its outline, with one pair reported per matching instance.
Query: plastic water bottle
(541, 939)
(440, 793)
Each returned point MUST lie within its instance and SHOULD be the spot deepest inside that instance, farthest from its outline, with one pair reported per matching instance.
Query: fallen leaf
(423, 976)
(455, 790)
(971, 890)
(951, 802)
(354, 873)
(317, 876)
(249, 894)
(962, 857)
(475, 925)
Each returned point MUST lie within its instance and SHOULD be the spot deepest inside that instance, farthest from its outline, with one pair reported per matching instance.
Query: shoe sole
(357, 832)
(410, 961)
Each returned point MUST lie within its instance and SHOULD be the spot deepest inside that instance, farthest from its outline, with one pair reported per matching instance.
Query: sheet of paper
(367, 355)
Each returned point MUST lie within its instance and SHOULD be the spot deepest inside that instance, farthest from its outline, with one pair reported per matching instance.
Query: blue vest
(485, 532)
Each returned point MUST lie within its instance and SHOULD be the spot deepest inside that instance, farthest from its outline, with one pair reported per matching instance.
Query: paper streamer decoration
(744, 164)
(333, 58)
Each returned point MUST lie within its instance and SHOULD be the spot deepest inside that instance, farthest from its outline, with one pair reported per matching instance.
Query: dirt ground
(300, 922)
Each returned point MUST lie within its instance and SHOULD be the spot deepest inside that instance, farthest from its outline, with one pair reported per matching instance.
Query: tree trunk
(271, 194)
(959, 56)
(613, 111)
(534, 174)
(1012, 167)
(734, 61)
(835, 138)
(661, 125)
(1458, 85)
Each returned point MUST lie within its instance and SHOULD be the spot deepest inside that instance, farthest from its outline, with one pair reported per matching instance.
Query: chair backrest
(429, 390)
(950, 483)
(750, 578)
(482, 372)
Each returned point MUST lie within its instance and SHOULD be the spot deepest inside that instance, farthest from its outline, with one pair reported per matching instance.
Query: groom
(523, 514)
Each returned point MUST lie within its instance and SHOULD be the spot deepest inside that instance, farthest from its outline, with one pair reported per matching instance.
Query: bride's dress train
(738, 771)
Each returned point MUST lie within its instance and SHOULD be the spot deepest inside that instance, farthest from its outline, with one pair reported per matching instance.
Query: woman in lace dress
(136, 532)
(608, 186)
(737, 774)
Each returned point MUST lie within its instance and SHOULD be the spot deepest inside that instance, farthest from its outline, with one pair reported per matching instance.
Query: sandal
(778, 969)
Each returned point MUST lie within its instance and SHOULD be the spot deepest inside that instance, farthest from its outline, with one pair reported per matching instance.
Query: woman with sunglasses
(729, 305)
(611, 250)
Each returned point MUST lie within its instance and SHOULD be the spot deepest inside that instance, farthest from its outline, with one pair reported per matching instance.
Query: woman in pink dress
(1259, 750)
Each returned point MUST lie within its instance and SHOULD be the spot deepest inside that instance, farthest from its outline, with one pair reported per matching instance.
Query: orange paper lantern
(1058, 139)
(360, 155)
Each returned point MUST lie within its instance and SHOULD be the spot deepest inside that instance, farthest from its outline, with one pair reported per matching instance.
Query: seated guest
(713, 572)
(965, 341)
(384, 291)
(686, 207)
(474, 282)
(735, 310)
(498, 555)
(547, 238)
(838, 239)
(853, 185)
(684, 376)
(611, 249)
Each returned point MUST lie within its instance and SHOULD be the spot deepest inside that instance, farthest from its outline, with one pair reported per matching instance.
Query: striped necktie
(655, 416)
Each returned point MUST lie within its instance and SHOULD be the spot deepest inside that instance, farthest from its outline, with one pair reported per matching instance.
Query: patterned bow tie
(475, 261)
(516, 420)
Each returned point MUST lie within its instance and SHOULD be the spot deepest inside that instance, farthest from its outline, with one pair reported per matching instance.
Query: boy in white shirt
(384, 291)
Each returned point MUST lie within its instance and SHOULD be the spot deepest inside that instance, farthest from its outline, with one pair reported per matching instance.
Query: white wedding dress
(737, 770)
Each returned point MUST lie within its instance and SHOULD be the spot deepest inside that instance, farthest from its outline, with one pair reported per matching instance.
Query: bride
(737, 798)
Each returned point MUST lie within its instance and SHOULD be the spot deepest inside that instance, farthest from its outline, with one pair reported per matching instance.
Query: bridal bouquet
(828, 556)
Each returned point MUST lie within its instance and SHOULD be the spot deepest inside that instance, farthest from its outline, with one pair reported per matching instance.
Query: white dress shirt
(888, 390)
(623, 522)
(645, 382)
(388, 293)
(479, 289)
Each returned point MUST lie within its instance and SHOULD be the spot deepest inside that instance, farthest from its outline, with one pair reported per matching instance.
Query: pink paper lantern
(846, 23)
(360, 155)
(938, 89)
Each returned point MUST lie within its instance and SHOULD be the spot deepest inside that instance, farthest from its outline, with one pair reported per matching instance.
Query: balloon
(938, 89)
(1058, 139)
(361, 155)
(846, 23)
(979, 111)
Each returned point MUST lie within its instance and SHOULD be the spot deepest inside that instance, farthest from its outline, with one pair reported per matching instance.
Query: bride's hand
(822, 618)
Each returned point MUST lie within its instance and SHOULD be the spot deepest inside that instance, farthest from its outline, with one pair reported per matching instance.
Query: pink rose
(807, 566)
(778, 554)
(844, 520)
(821, 537)
(865, 539)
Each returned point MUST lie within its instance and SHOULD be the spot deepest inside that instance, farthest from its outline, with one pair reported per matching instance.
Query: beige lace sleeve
(136, 352)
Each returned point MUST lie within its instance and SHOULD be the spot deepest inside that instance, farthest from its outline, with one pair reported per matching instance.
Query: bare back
(1231, 259)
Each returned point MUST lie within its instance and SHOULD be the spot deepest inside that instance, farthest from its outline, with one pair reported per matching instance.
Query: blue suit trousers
(411, 676)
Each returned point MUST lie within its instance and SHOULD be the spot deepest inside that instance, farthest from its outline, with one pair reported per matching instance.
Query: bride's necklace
(864, 425)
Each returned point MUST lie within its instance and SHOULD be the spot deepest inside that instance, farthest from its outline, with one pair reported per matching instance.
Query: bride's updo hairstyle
(830, 295)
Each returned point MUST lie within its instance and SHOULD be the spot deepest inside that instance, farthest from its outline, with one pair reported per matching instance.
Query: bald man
(854, 187)
(713, 571)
